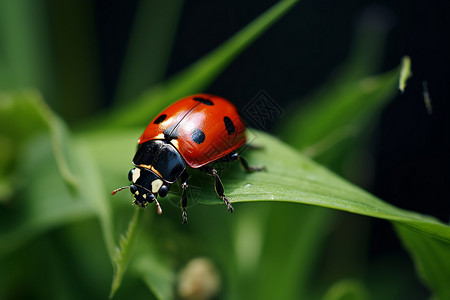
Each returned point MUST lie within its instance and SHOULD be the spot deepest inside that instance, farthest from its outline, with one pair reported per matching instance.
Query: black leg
(184, 186)
(218, 186)
(253, 147)
(248, 168)
(235, 156)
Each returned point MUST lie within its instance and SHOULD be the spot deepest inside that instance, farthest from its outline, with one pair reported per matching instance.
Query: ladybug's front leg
(218, 186)
(184, 186)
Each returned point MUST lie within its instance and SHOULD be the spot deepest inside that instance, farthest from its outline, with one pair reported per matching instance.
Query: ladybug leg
(244, 164)
(218, 186)
(248, 168)
(184, 186)
(254, 147)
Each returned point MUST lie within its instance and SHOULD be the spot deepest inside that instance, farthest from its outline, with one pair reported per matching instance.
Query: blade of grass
(405, 73)
(123, 252)
(149, 47)
(94, 193)
(193, 79)
(340, 114)
(349, 99)
(431, 257)
(24, 58)
(36, 117)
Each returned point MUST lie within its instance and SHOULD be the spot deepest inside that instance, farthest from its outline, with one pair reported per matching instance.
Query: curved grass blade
(36, 117)
(196, 77)
(339, 113)
(123, 252)
(149, 47)
(431, 257)
(405, 73)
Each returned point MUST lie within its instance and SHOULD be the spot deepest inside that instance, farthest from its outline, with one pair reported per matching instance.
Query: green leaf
(293, 178)
(431, 256)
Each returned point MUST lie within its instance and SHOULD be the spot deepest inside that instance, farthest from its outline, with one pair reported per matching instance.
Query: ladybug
(191, 133)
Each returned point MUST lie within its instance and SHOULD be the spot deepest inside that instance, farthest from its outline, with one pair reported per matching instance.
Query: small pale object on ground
(198, 280)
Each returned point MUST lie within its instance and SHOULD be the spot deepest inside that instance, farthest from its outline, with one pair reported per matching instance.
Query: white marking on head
(136, 174)
(175, 143)
(156, 185)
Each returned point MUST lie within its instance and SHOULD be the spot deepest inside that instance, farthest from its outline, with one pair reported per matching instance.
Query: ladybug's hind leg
(244, 164)
(184, 186)
(248, 168)
(218, 186)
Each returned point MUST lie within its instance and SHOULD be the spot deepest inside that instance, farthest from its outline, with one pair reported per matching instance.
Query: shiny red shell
(202, 127)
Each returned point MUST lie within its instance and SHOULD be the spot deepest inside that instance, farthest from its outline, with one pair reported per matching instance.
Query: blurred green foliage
(62, 236)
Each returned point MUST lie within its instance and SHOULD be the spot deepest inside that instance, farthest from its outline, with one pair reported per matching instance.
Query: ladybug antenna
(119, 189)
(158, 207)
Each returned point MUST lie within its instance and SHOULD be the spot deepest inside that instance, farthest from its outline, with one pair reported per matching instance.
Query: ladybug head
(146, 186)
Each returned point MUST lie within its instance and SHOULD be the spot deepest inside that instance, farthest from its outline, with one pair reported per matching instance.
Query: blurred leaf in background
(60, 229)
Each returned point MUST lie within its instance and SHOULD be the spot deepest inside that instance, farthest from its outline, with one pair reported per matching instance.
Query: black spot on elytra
(229, 125)
(198, 136)
(204, 101)
(160, 119)
(171, 134)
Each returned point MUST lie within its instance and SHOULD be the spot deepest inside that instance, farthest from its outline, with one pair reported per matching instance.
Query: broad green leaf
(291, 177)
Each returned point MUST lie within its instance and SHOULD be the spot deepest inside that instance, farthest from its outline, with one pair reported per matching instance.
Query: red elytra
(202, 127)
